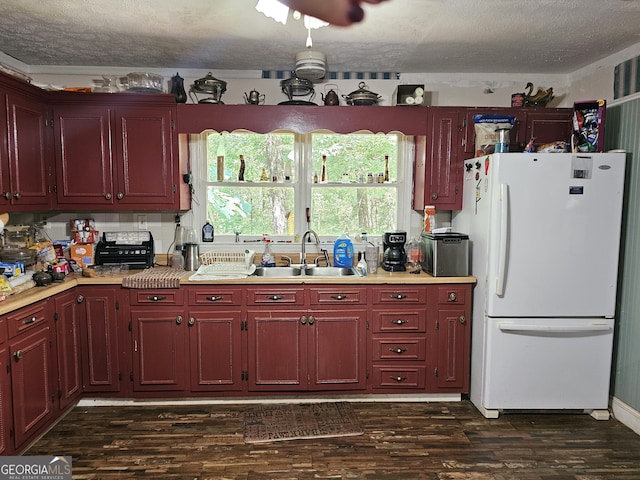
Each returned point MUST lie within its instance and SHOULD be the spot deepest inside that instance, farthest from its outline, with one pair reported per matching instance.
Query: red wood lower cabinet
(5, 399)
(101, 372)
(67, 324)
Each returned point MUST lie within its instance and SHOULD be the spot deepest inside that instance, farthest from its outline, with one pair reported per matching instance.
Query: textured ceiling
(432, 36)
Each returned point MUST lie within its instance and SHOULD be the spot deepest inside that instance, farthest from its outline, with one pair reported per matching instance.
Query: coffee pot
(254, 98)
(331, 97)
(394, 256)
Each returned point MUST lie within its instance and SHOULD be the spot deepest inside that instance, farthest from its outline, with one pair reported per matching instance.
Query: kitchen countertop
(35, 294)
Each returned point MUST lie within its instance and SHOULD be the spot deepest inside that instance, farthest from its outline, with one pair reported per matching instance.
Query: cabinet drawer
(402, 294)
(336, 295)
(399, 348)
(213, 296)
(452, 295)
(275, 295)
(26, 318)
(405, 377)
(167, 296)
(410, 320)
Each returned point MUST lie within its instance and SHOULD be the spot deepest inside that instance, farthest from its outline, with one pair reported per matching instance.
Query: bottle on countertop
(267, 259)
(429, 218)
(361, 267)
(343, 252)
(208, 232)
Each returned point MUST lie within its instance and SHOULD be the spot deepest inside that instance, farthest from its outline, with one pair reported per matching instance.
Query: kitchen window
(279, 190)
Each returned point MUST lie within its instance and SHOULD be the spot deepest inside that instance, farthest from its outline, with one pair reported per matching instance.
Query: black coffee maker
(394, 256)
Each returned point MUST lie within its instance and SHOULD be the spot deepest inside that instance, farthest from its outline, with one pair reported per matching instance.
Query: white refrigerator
(544, 232)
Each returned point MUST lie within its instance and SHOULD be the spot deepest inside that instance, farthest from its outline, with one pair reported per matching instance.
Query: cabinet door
(31, 382)
(443, 181)
(29, 164)
(215, 350)
(82, 137)
(145, 157)
(337, 349)
(546, 127)
(5, 401)
(67, 323)
(159, 349)
(101, 371)
(277, 350)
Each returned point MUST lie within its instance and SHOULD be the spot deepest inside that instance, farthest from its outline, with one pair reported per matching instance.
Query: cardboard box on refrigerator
(83, 254)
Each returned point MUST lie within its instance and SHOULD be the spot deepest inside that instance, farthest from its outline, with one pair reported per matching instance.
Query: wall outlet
(142, 222)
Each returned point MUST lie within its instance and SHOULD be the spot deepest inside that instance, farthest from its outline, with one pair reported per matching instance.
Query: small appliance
(134, 249)
(445, 254)
(394, 257)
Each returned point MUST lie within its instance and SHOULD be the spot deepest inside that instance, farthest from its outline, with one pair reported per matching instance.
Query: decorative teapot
(254, 98)
(331, 97)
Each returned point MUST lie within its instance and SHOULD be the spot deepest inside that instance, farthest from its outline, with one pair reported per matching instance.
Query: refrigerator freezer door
(559, 363)
(553, 234)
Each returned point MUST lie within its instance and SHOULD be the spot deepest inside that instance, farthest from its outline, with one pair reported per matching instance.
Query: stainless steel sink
(329, 272)
(311, 271)
(281, 272)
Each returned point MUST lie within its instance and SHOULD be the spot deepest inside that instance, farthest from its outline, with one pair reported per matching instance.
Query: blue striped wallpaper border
(284, 74)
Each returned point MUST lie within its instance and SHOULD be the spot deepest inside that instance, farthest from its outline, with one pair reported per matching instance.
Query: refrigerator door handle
(504, 228)
(523, 327)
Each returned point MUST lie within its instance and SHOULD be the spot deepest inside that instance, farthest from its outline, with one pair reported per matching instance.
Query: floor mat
(289, 421)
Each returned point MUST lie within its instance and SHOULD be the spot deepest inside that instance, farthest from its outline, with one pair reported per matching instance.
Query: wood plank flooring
(443, 441)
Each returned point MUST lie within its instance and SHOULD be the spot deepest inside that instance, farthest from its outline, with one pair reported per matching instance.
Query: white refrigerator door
(558, 363)
(554, 234)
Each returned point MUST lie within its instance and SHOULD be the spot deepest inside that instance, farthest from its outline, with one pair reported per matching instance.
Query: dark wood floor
(444, 441)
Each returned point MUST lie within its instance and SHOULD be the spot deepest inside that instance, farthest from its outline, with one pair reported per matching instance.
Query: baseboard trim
(626, 414)
(112, 402)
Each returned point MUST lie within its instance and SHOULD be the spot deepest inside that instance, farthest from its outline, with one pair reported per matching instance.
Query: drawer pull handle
(398, 296)
(156, 298)
(17, 355)
(453, 296)
(339, 297)
(29, 321)
(398, 379)
(399, 351)
(275, 297)
(399, 321)
(214, 298)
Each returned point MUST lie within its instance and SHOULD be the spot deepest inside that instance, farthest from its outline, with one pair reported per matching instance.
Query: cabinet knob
(17, 196)
(156, 298)
(398, 379)
(434, 196)
(303, 320)
(79, 299)
(339, 297)
(7, 195)
(29, 321)
(462, 319)
(120, 196)
(179, 320)
(275, 297)
(399, 321)
(214, 298)
(17, 355)
(311, 319)
(453, 296)
(107, 196)
(398, 296)
(399, 351)
(191, 322)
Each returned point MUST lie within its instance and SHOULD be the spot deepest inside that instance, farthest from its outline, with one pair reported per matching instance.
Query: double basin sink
(307, 271)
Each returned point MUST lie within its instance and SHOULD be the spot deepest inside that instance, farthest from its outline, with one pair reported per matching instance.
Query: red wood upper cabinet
(117, 152)
(438, 161)
(26, 173)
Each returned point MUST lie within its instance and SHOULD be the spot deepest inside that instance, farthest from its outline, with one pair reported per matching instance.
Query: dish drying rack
(225, 264)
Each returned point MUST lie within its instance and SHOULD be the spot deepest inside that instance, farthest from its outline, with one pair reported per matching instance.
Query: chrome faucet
(305, 237)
